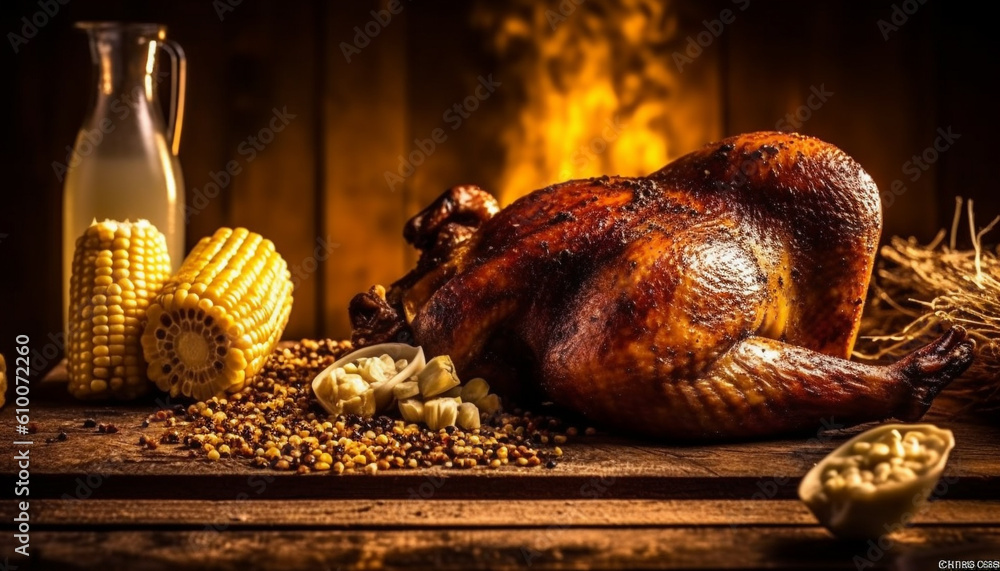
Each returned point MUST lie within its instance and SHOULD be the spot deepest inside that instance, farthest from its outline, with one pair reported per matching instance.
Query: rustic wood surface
(562, 547)
(407, 513)
(102, 501)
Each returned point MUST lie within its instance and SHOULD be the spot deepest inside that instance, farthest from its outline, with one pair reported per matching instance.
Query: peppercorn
(273, 423)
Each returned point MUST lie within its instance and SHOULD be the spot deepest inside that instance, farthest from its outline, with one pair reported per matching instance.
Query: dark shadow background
(322, 178)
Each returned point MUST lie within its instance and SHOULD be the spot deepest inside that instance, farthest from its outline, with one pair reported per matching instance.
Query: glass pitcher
(124, 163)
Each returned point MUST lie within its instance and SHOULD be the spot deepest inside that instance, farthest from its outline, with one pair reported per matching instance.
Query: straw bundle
(920, 291)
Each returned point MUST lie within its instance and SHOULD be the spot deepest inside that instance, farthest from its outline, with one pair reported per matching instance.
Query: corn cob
(118, 267)
(215, 323)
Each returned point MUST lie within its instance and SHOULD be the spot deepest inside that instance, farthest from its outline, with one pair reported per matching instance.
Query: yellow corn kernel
(118, 267)
(215, 323)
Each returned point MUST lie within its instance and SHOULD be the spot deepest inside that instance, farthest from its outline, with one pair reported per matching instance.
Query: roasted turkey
(717, 298)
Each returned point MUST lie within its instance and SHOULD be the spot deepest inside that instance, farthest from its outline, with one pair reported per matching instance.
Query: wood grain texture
(601, 466)
(364, 125)
(100, 501)
(274, 128)
(552, 548)
(841, 54)
(428, 514)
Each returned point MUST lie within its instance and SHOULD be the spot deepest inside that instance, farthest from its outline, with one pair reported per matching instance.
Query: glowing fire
(597, 90)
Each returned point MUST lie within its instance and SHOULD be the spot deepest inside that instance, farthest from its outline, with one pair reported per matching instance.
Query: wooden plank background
(603, 466)
(103, 501)
(752, 547)
(322, 178)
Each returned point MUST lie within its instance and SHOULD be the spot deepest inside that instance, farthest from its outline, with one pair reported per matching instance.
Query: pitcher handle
(178, 85)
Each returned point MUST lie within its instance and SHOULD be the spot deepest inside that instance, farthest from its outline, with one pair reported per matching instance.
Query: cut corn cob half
(118, 267)
(216, 322)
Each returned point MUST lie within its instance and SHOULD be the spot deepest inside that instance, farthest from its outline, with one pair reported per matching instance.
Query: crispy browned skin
(719, 297)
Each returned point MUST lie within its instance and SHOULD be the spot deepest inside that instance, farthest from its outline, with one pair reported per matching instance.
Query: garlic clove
(406, 390)
(437, 377)
(452, 393)
(328, 393)
(440, 413)
(468, 416)
(488, 404)
(412, 410)
(475, 390)
(351, 386)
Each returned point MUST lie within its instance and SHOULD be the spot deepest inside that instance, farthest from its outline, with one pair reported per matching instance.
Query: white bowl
(893, 505)
(413, 355)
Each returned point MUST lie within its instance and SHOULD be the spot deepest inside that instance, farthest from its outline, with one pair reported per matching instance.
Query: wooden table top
(101, 501)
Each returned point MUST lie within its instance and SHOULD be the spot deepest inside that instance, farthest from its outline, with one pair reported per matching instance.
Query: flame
(596, 90)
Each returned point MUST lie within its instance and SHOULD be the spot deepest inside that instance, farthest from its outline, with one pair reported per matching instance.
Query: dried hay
(920, 291)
